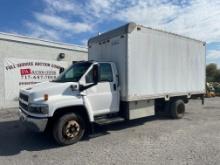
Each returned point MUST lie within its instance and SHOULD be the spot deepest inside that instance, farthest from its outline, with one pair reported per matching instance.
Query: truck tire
(177, 109)
(68, 129)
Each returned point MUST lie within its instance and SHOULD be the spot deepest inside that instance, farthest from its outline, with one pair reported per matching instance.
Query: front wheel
(68, 129)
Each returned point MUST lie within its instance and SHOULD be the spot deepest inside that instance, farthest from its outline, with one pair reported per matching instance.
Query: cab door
(104, 96)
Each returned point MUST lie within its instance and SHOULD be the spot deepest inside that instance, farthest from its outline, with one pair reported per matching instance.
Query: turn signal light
(45, 97)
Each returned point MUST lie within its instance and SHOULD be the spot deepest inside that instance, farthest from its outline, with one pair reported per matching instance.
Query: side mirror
(61, 70)
(95, 74)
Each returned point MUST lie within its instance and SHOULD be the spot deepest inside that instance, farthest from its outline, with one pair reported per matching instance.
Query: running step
(105, 121)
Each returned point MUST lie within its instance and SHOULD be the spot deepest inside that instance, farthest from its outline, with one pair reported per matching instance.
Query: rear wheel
(177, 109)
(68, 129)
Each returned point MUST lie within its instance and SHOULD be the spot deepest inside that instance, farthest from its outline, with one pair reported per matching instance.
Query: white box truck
(132, 72)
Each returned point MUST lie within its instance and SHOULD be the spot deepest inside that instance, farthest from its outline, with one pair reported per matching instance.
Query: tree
(217, 76)
(211, 70)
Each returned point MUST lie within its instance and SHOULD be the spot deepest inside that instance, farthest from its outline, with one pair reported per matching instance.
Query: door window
(106, 72)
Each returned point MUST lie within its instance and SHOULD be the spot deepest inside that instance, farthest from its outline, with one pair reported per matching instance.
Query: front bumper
(34, 123)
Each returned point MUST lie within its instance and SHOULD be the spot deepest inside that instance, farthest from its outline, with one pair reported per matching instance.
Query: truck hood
(37, 92)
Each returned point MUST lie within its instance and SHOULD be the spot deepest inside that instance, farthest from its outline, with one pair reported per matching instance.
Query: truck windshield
(73, 73)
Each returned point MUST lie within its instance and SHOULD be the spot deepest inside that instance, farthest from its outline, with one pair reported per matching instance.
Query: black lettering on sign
(9, 67)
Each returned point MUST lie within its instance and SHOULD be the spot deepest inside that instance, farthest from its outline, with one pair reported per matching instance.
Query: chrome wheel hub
(71, 129)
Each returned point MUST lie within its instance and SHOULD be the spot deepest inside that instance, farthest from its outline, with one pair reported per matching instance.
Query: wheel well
(163, 107)
(80, 110)
(161, 101)
(184, 98)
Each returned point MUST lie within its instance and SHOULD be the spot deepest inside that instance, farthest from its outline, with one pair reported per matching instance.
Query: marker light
(45, 97)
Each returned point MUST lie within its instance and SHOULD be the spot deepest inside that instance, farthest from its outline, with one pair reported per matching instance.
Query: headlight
(39, 109)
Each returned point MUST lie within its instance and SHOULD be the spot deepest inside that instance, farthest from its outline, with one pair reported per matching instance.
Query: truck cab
(83, 91)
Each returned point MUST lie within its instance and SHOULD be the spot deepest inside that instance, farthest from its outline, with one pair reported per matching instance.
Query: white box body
(152, 63)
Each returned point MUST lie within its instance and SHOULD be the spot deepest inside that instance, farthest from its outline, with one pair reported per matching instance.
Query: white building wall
(20, 47)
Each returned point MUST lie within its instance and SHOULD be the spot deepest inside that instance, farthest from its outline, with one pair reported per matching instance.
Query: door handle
(114, 87)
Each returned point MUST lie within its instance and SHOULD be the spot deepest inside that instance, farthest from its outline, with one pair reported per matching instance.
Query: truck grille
(23, 101)
(23, 97)
(23, 106)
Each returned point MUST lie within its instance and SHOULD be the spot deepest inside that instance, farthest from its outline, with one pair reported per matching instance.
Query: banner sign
(23, 73)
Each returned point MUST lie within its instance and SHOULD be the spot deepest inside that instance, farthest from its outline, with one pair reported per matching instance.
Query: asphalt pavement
(193, 140)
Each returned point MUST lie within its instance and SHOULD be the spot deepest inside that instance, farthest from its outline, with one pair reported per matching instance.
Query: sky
(75, 21)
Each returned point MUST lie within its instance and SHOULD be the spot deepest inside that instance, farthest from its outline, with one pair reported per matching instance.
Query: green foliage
(217, 89)
(217, 76)
(212, 73)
